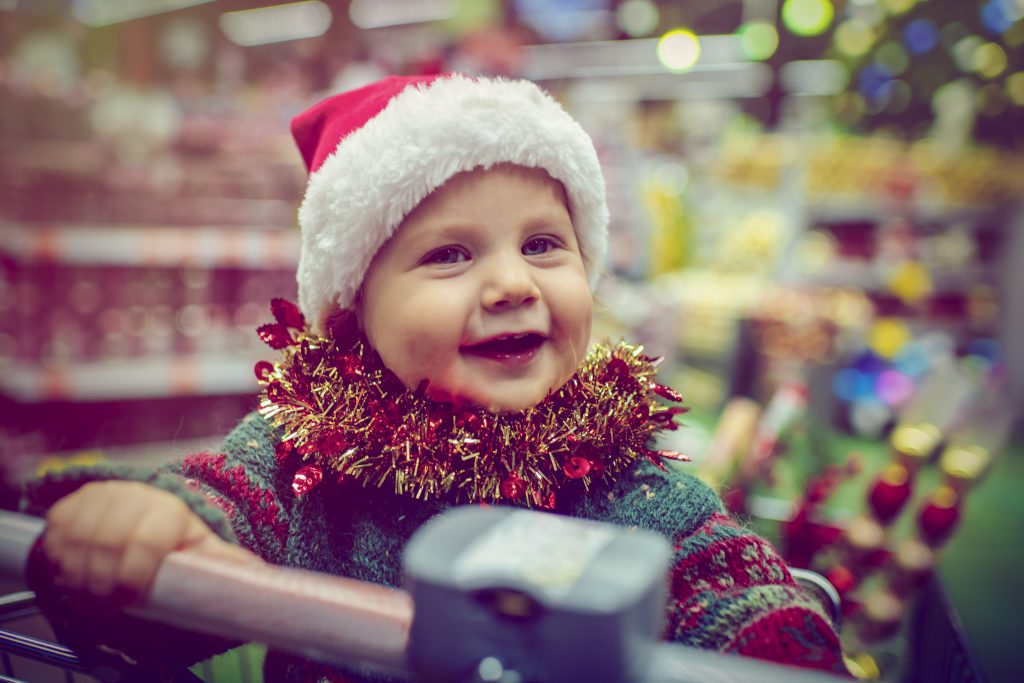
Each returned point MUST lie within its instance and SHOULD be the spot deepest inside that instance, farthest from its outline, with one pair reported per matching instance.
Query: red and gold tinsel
(347, 417)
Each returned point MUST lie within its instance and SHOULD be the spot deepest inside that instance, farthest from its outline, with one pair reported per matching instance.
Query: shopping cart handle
(17, 534)
(318, 615)
(595, 604)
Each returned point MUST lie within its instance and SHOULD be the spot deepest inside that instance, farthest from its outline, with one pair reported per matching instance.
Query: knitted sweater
(729, 589)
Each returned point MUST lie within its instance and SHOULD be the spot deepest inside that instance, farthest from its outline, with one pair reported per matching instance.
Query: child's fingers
(108, 545)
(73, 547)
(157, 533)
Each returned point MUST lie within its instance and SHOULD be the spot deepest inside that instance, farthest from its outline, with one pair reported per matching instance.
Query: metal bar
(39, 650)
(17, 534)
(17, 605)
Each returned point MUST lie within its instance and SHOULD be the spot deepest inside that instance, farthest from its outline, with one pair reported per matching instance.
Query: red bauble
(939, 516)
(576, 467)
(842, 579)
(332, 443)
(889, 493)
(349, 365)
(306, 479)
(513, 487)
(283, 449)
(263, 369)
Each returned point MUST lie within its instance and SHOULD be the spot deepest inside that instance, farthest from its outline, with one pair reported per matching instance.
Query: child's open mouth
(513, 347)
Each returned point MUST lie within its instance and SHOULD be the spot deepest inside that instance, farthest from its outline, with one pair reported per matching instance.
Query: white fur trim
(378, 174)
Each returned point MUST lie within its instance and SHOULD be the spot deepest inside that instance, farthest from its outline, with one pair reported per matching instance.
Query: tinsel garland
(346, 416)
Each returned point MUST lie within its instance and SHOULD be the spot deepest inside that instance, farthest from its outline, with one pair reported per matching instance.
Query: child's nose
(509, 283)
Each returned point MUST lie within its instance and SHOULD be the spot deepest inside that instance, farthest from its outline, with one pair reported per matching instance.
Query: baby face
(482, 291)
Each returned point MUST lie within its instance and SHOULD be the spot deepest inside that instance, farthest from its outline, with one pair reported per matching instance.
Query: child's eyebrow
(429, 235)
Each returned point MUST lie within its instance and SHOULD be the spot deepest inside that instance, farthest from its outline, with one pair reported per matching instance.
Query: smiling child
(453, 230)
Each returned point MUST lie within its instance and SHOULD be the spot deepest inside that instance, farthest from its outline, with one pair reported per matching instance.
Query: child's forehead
(528, 179)
(507, 173)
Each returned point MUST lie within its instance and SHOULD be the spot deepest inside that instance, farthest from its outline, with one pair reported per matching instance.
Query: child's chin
(495, 402)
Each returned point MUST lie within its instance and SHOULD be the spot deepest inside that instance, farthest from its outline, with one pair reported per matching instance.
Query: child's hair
(375, 153)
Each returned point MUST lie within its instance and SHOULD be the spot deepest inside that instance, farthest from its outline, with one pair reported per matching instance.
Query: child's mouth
(514, 347)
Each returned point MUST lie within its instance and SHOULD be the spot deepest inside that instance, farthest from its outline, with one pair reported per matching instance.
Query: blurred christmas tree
(921, 67)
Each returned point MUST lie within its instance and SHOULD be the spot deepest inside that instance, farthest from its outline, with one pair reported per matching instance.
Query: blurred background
(816, 219)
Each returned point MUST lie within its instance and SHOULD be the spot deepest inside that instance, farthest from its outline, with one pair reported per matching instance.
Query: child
(452, 229)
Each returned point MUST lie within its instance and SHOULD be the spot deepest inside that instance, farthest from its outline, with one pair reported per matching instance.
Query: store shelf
(150, 245)
(128, 378)
(855, 209)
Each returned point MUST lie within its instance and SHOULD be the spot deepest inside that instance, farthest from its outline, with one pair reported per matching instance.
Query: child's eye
(446, 256)
(538, 246)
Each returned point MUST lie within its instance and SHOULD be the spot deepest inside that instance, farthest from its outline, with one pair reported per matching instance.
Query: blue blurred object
(851, 384)
(563, 20)
(920, 36)
(875, 81)
(985, 347)
(869, 362)
(912, 360)
(997, 16)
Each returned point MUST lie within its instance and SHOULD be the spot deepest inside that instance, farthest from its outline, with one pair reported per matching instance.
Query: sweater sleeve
(236, 492)
(244, 483)
(729, 589)
(239, 491)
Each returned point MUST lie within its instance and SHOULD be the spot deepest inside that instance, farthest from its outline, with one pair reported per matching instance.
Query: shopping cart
(494, 595)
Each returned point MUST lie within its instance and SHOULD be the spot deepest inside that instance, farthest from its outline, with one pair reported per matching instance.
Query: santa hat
(375, 153)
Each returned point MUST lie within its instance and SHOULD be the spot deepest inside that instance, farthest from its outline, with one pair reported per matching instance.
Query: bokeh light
(912, 360)
(637, 17)
(1015, 88)
(849, 107)
(869, 362)
(963, 52)
(910, 281)
(758, 40)
(989, 60)
(997, 15)
(851, 384)
(957, 96)
(896, 7)
(874, 79)
(920, 36)
(807, 17)
(952, 33)
(893, 57)
(893, 387)
(887, 336)
(992, 100)
(678, 50)
(854, 37)
(985, 347)
(870, 417)
(1015, 36)
(897, 96)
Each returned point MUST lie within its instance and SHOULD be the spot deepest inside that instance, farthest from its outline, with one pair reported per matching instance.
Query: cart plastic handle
(322, 616)
(337, 619)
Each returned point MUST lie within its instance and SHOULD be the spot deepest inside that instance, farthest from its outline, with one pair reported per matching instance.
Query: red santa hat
(375, 153)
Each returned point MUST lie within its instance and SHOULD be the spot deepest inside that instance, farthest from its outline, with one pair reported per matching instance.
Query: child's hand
(107, 539)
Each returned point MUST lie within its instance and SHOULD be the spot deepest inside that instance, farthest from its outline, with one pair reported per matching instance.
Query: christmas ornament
(346, 415)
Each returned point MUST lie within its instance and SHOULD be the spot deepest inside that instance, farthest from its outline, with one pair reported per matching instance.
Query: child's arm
(730, 590)
(216, 489)
(107, 540)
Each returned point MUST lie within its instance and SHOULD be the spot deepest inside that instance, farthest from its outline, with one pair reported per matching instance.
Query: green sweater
(729, 589)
